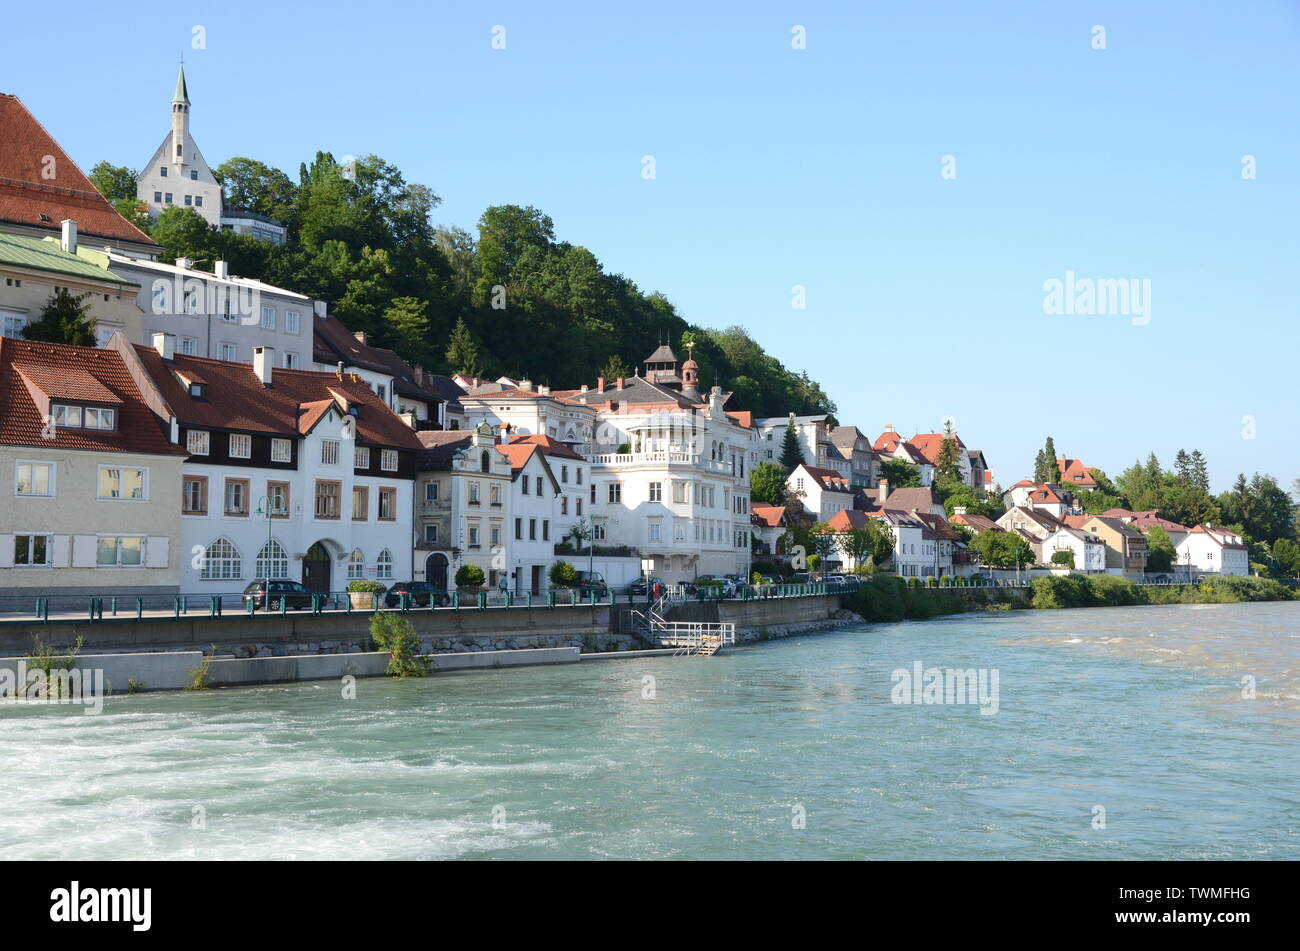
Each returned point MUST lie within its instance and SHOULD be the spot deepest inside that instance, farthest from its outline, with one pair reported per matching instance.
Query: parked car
(267, 595)
(421, 594)
(802, 577)
(641, 586)
(712, 583)
(592, 582)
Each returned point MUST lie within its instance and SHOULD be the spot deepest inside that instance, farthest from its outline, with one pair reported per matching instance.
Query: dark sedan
(269, 595)
(421, 593)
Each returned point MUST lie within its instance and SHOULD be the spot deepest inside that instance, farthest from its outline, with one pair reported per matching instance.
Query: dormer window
(196, 390)
(72, 416)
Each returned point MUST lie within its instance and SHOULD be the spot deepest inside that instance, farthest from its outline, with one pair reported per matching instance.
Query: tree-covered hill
(361, 237)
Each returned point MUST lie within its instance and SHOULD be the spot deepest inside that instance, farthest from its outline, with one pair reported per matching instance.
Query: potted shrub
(469, 578)
(365, 594)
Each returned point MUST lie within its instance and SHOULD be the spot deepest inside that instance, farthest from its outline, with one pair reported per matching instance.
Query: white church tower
(177, 173)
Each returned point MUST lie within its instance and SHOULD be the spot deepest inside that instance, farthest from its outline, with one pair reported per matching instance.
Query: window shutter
(62, 548)
(156, 552)
(83, 551)
(6, 551)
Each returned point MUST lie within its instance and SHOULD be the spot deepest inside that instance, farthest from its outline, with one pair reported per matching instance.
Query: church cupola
(691, 378)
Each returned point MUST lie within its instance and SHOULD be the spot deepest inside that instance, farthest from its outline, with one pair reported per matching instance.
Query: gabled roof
(929, 444)
(976, 523)
(519, 455)
(771, 516)
(887, 441)
(31, 371)
(441, 445)
(37, 178)
(664, 354)
(849, 519)
(1144, 521)
(1223, 537)
(333, 341)
(938, 525)
(1045, 521)
(921, 498)
(1075, 473)
(1045, 494)
(234, 399)
(547, 445)
(828, 480)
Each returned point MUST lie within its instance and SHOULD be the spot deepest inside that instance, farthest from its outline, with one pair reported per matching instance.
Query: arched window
(384, 566)
(484, 462)
(272, 562)
(356, 564)
(222, 561)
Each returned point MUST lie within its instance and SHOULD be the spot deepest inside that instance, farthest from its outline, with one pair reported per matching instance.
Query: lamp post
(268, 511)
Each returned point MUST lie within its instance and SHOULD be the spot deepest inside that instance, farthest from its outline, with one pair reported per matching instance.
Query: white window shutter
(6, 551)
(62, 548)
(156, 553)
(83, 551)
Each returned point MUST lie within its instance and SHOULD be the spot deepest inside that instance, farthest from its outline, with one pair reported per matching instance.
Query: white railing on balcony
(659, 458)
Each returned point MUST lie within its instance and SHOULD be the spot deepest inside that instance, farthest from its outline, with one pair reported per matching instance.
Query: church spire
(182, 93)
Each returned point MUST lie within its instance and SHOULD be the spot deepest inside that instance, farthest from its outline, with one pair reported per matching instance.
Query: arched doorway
(316, 569)
(435, 570)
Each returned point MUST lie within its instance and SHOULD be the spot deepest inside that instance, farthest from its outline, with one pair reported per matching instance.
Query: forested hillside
(362, 238)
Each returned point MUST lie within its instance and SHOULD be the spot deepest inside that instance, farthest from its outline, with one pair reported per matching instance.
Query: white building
(1088, 549)
(1211, 549)
(462, 506)
(824, 492)
(534, 493)
(215, 314)
(816, 440)
(178, 175)
(290, 473)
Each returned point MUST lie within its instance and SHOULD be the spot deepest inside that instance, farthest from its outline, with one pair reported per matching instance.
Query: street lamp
(267, 510)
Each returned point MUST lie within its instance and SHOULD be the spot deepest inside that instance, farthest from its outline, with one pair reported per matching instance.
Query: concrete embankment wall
(274, 635)
(172, 670)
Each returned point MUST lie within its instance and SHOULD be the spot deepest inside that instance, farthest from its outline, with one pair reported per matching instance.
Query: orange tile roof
(828, 479)
(549, 446)
(26, 192)
(1074, 472)
(929, 444)
(770, 515)
(21, 424)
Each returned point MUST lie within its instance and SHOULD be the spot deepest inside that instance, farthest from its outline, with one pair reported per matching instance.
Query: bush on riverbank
(888, 598)
(1088, 591)
(393, 633)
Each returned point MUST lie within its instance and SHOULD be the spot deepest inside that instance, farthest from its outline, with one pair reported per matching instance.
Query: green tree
(1286, 554)
(615, 369)
(974, 501)
(462, 351)
(767, 483)
(469, 576)
(117, 184)
(1063, 557)
(1002, 550)
(1161, 553)
(563, 575)
(408, 329)
(791, 448)
(64, 319)
(248, 183)
(182, 232)
(947, 464)
(900, 473)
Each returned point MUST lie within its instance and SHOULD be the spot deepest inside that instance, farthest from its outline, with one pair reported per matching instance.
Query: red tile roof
(549, 446)
(234, 399)
(1074, 472)
(828, 479)
(929, 444)
(887, 441)
(773, 516)
(846, 519)
(21, 424)
(976, 523)
(28, 154)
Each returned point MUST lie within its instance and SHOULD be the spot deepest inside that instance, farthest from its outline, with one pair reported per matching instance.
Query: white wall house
(1089, 550)
(816, 439)
(824, 492)
(534, 495)
(1211, 549)
(289, 474)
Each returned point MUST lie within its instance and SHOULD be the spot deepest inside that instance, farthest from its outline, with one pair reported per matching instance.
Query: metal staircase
(700, 638)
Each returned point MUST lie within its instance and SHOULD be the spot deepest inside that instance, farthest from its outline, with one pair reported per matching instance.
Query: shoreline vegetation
(890, 598)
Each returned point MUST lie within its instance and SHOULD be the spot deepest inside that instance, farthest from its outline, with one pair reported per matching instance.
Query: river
(1119, 733)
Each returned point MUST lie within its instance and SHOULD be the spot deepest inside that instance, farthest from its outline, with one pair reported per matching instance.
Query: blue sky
(818, 167)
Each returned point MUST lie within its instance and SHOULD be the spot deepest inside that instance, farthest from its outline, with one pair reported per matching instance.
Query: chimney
(544, 390)
(165, 344)
(222, 270)
(419, 375)
(362, 337)
(408, 418)
(263, 358)
(620, 383)
(889, 427)
(318, 308)
(883, 493)
(339, 372)
(600, 384)
(584, 387)
(69, 235)
(184, 263)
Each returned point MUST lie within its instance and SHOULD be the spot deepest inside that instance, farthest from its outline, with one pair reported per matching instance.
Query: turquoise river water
(790, 749)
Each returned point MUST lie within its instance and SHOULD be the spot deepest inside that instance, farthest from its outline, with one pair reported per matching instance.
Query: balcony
(664, 458)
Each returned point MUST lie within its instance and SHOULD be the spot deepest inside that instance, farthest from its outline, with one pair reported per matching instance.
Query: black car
(268, 595)
(421, 594)
(641, 587)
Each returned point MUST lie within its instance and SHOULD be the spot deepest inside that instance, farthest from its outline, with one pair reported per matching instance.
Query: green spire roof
(182, 94)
